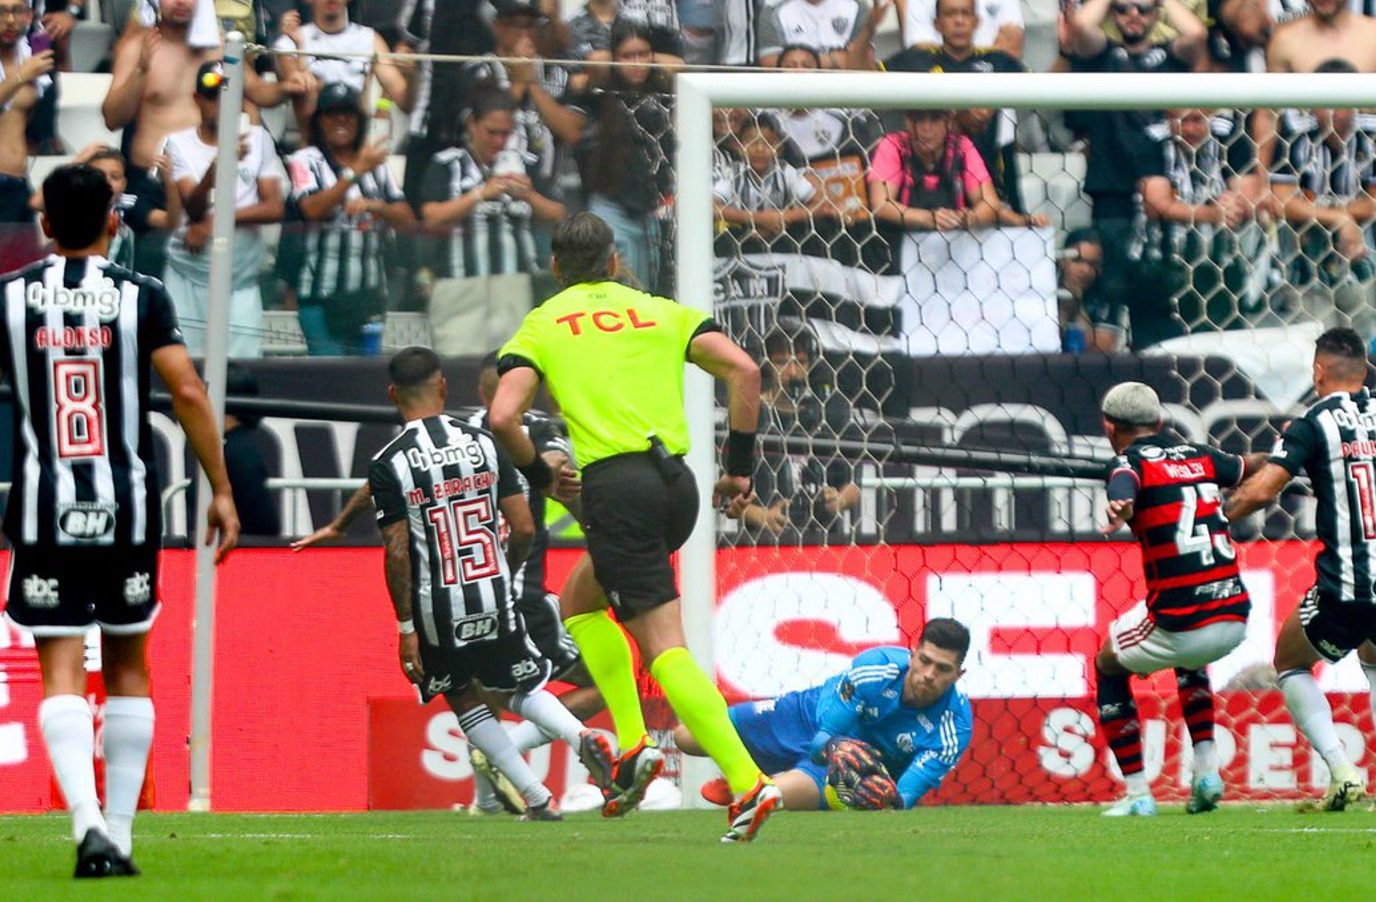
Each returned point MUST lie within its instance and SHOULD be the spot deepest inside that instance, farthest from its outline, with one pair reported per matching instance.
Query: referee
(612, 357)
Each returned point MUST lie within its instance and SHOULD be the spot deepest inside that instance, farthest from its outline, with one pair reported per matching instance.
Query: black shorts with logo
(540, 611)
(637, 511)
(1336, 627)
(64, 590)
(508, 662)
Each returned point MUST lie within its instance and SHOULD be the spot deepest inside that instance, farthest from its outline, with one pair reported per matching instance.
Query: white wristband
(406, 627)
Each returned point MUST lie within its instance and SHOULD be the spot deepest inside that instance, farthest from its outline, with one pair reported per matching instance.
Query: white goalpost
(697, 94)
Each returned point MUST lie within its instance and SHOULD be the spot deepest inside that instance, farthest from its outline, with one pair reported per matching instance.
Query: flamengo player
(1334, 443)
(1167, 492)
(438, 488)
(77, 338)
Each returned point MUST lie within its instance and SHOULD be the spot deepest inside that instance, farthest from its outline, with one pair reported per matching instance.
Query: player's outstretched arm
(515, 393)
(191, 405)
(1258, 491)
(362, 500)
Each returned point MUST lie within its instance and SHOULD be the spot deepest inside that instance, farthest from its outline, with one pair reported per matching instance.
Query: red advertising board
(311, 711)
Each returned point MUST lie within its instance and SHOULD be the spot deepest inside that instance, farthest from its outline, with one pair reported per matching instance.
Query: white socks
(1370, 671)
(487, 733)
(1137, 784)
(1205, 758)
(527, 735)
(1313, 715)
(128, 736)
(549, 715)
(69, 733)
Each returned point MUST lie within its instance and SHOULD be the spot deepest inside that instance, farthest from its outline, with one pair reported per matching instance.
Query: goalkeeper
(879, 735)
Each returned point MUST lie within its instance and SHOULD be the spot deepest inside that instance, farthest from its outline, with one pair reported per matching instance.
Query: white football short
(1142, 647)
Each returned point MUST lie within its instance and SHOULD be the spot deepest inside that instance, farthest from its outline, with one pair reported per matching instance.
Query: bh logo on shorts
(40, 592)
(138, 589)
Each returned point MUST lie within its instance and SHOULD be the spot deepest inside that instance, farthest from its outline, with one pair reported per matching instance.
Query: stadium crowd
(1206, 219)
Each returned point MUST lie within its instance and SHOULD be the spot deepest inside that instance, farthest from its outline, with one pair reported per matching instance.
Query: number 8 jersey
(1187, 555)
(445, 478)
(75, 343)
(1334, 443)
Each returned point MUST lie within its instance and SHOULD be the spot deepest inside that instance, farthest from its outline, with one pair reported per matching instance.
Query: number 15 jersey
(76, 340)
(446, 479)
(1187, 555)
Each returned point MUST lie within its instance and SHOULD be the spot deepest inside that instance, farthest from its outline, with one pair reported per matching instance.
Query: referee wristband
(537, 473)
(740, 453)
(406, 627)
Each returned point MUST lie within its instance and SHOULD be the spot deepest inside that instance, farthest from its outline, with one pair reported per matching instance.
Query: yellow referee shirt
(613, 358)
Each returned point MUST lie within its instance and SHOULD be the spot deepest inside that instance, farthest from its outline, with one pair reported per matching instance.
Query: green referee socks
(700, 707)
(607, 655)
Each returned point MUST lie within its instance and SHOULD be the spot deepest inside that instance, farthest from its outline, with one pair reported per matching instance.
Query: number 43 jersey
(76, 341)
(1187, 555)
(446, 479)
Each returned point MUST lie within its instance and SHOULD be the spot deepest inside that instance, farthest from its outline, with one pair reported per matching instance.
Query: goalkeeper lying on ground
(879, 735)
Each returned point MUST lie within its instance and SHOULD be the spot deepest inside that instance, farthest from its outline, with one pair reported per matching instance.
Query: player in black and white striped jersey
(1334, 444)
(438, 488)
(78, 337)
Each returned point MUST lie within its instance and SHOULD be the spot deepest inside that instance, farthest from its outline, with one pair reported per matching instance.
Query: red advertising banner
(312, 713)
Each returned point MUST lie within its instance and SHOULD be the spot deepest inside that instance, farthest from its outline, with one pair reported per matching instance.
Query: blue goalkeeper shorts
(777, 732)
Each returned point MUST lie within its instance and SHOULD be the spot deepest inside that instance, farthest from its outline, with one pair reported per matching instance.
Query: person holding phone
(260, 199)
(24, 78)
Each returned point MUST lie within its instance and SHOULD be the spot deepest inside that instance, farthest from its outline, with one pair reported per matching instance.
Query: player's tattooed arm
(361, 502)
(396, 541)
(1259, 490)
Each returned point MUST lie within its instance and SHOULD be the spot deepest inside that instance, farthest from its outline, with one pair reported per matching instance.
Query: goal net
(932, 442)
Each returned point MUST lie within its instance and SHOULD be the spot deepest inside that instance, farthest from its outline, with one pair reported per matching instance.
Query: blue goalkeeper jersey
(919, 745)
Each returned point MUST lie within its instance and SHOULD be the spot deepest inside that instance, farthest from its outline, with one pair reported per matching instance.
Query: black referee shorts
(638, 511)
(1335, 627)
(64, 591)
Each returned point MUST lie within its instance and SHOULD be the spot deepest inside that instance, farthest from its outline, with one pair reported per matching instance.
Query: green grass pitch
(1042, 853)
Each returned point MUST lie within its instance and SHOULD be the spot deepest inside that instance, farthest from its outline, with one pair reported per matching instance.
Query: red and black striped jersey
(1187, 555)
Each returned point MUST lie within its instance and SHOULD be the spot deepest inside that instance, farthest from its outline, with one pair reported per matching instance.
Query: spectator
(818, 133)
(1187, 236)
(1331, 31)
(999, 27)
(1089, 319)
(1326, 188)
(331, 32)
(135, 216)
(454, 28)
(591, 29)
(802, 496)
(698, 26)
(258, 201)
(347, 203)
(625, 157)
(26, 77)
(726, 126)
(483, 204)
(738, 31)
(761, 199)
(929, 178)
(538, 89)
(834, 28)
(1123, 148)
(153, 89)
(991, 131)
(1164, 31)
(246, 460)
(1240, 31)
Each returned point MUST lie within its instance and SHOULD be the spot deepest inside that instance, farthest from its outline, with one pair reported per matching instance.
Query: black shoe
(96, 856)
(125, 867)
(545, 812)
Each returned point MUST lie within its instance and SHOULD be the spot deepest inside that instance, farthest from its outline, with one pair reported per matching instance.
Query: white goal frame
(698, 93)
